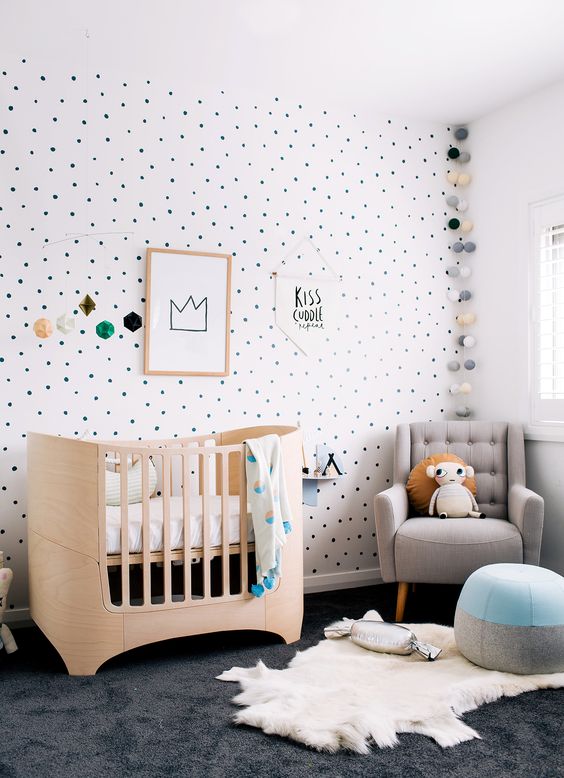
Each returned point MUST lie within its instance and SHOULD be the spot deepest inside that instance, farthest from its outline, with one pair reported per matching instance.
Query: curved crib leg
(291, 633)
(85, 665)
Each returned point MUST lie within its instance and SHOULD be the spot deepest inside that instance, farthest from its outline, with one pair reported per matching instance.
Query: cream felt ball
(453, 201)
(467, 226)
(465, 388)
(465, 271)
(463, 411)
(453, 295)
(453, 365)
(454, 388)
(462, 206)
(469, 341)
(464, 179)
(466, 318)
(452, 177)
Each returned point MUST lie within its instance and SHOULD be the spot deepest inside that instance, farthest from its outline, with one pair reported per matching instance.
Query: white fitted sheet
(135, 519)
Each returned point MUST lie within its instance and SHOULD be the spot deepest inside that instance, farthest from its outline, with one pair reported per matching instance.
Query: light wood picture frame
(187, 312)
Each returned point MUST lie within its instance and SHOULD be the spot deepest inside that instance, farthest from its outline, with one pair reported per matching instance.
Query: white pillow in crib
(134, 484)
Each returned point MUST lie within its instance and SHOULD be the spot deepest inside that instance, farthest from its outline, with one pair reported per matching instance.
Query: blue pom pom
(287, 527)
(268, 582)
(257, 590)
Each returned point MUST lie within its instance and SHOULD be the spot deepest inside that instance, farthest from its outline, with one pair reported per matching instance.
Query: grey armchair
(445, 551)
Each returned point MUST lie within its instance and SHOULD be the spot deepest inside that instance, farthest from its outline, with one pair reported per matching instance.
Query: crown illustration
(190, 317)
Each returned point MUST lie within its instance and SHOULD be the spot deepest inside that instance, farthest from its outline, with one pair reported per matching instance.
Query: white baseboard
(329, 582)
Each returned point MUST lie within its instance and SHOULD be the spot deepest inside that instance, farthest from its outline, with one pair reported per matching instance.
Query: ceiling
(427, 59)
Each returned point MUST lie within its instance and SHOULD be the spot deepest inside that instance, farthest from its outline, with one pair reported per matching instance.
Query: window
(547, 357)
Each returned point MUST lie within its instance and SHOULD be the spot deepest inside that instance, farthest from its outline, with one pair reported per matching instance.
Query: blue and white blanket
(270, 509)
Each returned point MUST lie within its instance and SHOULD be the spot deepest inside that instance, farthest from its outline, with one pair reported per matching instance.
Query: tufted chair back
(494, 449)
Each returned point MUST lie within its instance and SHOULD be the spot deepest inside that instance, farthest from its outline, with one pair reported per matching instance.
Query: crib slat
(166, 527)
(205, 462)
(187, 533)
(146, 529)
(102, 520)
(243, 522)
(124, 512)
(225, 523)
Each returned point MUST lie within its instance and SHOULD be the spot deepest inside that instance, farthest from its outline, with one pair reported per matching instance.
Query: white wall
(185, 163)
(517, 159)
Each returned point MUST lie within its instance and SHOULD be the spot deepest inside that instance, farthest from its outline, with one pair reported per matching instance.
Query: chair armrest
(391, 509)
(526, 512)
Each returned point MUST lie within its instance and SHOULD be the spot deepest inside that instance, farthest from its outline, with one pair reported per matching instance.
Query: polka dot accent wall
(146, 162)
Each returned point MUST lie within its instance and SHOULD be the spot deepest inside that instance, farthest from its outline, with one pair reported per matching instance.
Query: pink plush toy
(6, 637)
(453, 500)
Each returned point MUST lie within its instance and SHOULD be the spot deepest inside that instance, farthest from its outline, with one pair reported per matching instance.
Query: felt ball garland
(462, 227)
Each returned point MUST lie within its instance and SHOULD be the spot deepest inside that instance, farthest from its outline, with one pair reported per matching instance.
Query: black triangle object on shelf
(331, 461)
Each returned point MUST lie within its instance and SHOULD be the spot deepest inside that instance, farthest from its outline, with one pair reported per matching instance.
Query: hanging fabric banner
(306, 311)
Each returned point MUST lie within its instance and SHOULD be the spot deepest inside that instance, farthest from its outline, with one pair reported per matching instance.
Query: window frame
(546, 416)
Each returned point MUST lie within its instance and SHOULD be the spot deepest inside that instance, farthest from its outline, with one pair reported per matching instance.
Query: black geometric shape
(132, 321)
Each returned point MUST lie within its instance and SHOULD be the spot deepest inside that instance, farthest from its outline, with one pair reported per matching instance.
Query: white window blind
(547, 358)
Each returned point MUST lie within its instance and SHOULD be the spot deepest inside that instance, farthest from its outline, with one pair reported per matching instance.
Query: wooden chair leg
(403, 589)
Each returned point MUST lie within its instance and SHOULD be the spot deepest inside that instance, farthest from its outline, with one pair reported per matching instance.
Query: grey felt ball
(461, 133)
(469, 246)
(463, 411)
(453, 365)
(464, 156)
(465, 295)
(461, 340)
(457, 247)
(469, 364)
(453, 271)
(452, 200)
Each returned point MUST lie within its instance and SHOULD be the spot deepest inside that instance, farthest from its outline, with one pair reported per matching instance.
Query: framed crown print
(187, 313)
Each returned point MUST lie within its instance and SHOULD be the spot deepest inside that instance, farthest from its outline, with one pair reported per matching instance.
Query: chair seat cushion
(430, 550)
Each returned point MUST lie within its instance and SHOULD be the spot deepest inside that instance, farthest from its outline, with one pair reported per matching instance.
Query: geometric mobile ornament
(43, 328)
(132, 321)
(105, 329)
(87, 305)
(65, 323)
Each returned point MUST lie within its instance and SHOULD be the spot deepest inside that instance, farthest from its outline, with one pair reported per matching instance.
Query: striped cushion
(134, 484)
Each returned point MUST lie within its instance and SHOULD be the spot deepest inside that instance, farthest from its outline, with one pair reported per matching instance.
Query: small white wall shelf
(310, 486)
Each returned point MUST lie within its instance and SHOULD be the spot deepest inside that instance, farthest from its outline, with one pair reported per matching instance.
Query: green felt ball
(454, 224)
(453, 153)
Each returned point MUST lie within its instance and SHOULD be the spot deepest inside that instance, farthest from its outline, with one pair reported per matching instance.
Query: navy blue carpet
(158, 711)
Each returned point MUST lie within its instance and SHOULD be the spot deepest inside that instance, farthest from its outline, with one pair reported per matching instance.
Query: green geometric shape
(105, 329)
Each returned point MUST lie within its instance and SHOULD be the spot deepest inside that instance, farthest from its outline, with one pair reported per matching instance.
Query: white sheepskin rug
(337, 695)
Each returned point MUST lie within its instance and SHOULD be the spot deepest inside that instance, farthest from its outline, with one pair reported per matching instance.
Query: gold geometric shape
(43, 328)
(87, 305)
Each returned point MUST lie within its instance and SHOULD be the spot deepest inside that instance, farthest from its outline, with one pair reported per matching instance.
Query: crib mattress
(135, 519)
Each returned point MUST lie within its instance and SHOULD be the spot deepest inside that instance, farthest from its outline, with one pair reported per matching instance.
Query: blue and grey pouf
(511, 618)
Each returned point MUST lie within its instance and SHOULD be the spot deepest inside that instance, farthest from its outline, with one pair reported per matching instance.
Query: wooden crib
(100, 586)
